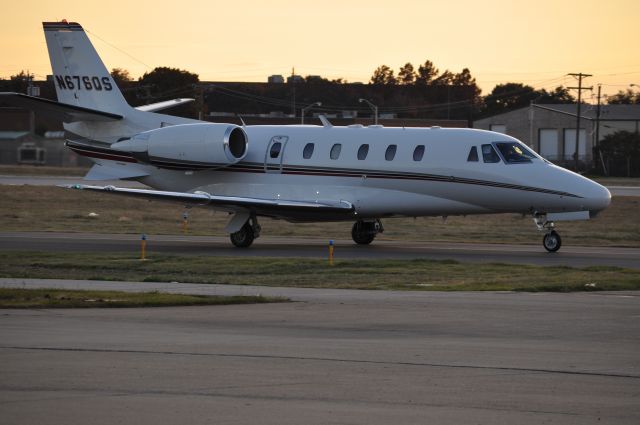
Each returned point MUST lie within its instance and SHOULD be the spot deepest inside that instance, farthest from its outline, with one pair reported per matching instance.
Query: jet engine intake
(188, 146)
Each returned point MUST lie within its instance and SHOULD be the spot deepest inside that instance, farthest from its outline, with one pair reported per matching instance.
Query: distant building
(550, 129)
(275, 79)
(20, 145)
(294, 79)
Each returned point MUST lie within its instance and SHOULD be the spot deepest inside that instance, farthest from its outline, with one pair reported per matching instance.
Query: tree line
(444, 87)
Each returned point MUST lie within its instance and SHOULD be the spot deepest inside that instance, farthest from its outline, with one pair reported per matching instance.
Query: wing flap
(62, 111)
(114, 172)
(270, 207)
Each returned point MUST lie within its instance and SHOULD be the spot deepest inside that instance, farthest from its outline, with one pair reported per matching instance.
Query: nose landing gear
(551, 240)
(364, 232)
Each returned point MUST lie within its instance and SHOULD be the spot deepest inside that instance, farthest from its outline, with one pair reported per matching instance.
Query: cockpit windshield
(514, 152)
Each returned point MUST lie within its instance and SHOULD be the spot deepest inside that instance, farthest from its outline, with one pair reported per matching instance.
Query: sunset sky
(533, 42)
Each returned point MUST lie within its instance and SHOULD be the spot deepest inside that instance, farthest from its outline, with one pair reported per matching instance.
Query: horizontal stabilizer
(62, 111)
(159, 106)
(271, 207)
(113, 172)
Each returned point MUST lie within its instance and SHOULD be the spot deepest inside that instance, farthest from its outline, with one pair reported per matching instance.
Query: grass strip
(448, 275)
(63, 298)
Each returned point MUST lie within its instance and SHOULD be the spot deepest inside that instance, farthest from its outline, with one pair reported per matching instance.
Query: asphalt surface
(316, 248)
(332, 357)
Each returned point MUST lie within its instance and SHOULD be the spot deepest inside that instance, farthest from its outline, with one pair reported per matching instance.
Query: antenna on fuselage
(325, 122)
(242, 121)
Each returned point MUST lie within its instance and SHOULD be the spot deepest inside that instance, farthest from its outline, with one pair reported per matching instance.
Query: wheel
(552, 241)
(362, 234)
(244, 237)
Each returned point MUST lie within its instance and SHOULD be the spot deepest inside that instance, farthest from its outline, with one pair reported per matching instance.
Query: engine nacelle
(188, 146)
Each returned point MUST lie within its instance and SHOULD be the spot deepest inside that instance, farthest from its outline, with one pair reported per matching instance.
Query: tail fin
(80, 77)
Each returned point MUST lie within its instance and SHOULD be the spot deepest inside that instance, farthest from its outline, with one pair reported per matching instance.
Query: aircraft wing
(159, 106)
(62, 111)
(295, 210)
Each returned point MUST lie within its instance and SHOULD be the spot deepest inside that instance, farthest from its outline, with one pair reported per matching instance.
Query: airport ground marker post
(331, 252)
(143, 247)
(185, 222)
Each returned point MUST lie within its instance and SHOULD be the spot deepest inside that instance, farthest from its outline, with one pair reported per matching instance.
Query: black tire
(243, 238)
(361, 234)
(552, 241)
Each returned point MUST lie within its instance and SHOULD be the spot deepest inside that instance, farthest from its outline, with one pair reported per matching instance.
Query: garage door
(549, 143)
(570, 143)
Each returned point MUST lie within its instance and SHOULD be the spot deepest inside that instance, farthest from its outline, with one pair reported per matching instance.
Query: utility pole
(597, 144)
(579, 76)
(293, 83)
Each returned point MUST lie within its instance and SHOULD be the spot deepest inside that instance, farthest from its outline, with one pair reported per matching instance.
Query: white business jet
(300, 173)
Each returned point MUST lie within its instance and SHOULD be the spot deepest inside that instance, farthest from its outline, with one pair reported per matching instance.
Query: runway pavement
(332, 357)
(304, 247)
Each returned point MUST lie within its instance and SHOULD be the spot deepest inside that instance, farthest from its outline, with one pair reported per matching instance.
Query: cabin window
(418, 153)
(489, 154)
(473, 154)
(308, 150)
(514, 152)
(275, 150)
(335, 151)
(362, 152)
(391, 152)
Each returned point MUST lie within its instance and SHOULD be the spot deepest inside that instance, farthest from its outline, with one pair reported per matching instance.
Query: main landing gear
(364, 232)
(244, 237)
(551, 240)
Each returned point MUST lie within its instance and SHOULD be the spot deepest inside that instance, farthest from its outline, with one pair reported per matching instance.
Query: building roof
(587, 111)
(607, 112)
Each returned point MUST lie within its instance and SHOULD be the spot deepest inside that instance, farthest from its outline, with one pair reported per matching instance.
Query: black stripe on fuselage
(99, 152)
(253, 167)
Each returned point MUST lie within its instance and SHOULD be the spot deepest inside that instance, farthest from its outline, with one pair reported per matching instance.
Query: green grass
(63, 298)
(446, 275)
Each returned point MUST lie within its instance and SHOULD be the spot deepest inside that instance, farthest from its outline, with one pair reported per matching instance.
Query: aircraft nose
(597, 198)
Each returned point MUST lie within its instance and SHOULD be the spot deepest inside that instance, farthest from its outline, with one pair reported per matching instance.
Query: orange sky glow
(533, 42)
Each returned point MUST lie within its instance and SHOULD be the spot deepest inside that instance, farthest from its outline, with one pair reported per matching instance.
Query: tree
(121, 77)
(508, 96)
(406, 75)
(383, 75)
(463, 78)
(559, 95)
(622, 151)
(168, 82)
(444, 79)
(165, 83)
(19, 82)
(624, 98)
(426, 73)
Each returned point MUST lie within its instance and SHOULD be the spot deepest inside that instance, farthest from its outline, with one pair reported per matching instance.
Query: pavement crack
(327, 359)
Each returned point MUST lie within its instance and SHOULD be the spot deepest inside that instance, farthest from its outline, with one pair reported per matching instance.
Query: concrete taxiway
(335, 356)
(316, 248)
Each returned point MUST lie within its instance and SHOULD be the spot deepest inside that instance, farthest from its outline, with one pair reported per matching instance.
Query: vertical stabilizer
(80, 77)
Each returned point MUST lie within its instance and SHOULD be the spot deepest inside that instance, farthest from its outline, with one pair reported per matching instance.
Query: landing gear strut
(551, 240)
(244, 237)
(364, 232)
